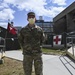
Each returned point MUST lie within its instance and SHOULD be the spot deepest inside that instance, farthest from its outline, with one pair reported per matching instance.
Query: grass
(15, 67)
(53, 52)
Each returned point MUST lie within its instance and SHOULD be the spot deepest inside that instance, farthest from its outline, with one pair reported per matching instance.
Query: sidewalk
(52, 64)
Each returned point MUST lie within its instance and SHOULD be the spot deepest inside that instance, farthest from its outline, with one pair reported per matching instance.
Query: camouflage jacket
(31, 39)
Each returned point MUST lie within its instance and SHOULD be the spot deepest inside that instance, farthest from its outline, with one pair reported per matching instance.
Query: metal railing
(70, 39)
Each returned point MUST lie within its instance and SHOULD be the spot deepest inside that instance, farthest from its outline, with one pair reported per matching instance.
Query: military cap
(31, 14)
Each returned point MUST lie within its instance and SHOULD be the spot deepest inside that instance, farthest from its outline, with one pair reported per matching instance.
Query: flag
(11, 29)
(57, 40)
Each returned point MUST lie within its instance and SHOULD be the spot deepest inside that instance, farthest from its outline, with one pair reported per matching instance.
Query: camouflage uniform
(31, 40)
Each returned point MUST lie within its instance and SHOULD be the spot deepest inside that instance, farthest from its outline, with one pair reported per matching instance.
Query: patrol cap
(31, 14)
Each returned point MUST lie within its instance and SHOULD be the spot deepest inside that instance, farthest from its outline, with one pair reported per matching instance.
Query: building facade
(48, 30)
(65, 21)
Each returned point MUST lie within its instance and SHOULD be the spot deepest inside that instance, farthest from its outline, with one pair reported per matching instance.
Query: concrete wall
(60, 25)
(64, 22)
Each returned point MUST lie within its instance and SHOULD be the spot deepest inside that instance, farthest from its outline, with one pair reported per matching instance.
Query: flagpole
(6, 29)
(6, 35)
(4, 48)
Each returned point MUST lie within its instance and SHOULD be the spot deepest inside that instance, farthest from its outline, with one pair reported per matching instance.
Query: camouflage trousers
(28, 62)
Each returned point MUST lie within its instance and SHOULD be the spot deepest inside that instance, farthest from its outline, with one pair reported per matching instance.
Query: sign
(57, 40)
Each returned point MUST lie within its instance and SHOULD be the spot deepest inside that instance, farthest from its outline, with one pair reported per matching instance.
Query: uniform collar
(35, 26)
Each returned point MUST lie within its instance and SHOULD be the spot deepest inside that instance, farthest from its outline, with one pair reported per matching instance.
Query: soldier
(31, 38)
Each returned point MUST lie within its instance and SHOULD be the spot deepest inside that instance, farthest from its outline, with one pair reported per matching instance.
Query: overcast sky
(16, 10)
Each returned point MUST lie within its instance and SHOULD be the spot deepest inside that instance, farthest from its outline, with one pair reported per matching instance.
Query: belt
(32, 52)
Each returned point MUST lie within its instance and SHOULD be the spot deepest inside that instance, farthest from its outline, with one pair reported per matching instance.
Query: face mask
(31, 20)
